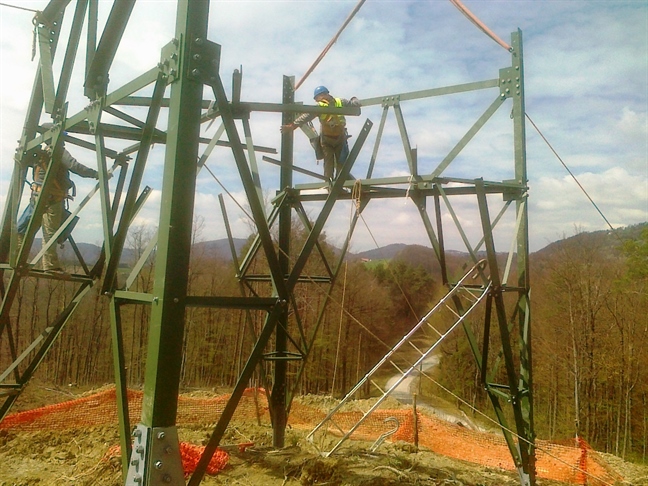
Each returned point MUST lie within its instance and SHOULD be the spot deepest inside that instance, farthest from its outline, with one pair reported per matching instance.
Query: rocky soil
(86, 457)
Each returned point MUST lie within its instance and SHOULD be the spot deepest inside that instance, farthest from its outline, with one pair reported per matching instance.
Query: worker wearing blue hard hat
(333, 135)
(320, 90)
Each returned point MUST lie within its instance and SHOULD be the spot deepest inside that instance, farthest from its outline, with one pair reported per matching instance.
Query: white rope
(337, 353)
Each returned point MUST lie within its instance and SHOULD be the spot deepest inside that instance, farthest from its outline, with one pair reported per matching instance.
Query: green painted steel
(135, 182)
(8, 242)
(166, 328)
(174, 235)
(467, 137)
(278, 404)
(188, 63)
(390, 100)
(70, 55)
(53, 333)
(45, 62)
(502, 320)
(97, 75)
(374, 154)
(407, 147)
(255, 357)
(91, 40)
(121, 385)
(525, 399)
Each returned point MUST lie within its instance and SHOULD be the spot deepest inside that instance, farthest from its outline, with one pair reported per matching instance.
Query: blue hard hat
(320, 90)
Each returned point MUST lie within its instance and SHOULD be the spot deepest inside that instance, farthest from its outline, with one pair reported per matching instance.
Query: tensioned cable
(330, 44)
(357, 191)
(573, 176)
(228, 193)
(344, 285)
(512, 432)
(19, 8)
(330, 297)
(480, 25)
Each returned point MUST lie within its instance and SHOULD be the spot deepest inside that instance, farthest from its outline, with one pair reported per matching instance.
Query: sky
(586, 86)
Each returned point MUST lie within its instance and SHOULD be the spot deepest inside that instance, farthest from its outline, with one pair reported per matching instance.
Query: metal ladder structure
(399, 358)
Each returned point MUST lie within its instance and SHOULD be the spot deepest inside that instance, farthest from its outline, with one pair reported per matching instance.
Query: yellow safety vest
(332, 125)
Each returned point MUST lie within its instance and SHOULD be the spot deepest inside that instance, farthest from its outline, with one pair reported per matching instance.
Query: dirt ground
(80, 457)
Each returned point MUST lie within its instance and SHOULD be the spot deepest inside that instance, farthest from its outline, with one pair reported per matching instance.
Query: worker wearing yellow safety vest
(333, 134)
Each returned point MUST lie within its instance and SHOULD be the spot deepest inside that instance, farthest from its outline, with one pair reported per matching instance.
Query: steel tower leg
(279, 405)
(527, 449)
(156, 457)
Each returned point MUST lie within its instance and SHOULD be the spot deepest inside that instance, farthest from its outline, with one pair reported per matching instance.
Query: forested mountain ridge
(590, 320)
(413, 254)
(90, 252)
(605, 239)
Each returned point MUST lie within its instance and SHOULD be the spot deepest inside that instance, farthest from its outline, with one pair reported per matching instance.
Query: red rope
(457, 3)
(330, 44)
(464, 10)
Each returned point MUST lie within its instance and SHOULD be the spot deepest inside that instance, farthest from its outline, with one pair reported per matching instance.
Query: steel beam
(278, 404)
(53, 12)
(133, 189)
(97, 77)
(388, 100)
(166, 330)
(527, 447)
(70, 56)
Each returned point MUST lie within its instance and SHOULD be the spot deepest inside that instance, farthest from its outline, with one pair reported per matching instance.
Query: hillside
(604, 239)
(589, 332)
(416, 255)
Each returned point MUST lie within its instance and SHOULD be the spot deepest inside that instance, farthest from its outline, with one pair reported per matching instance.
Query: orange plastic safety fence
(577, 464)
(190, 455)
(100, 409)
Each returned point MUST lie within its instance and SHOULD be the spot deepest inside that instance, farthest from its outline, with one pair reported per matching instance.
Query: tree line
(589, 301)
(590, 331)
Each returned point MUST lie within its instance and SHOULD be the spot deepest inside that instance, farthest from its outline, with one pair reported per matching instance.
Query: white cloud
(632, 128)
(586, 72)
(559, 204)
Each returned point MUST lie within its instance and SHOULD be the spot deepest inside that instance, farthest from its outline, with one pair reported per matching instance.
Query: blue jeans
(23, 221)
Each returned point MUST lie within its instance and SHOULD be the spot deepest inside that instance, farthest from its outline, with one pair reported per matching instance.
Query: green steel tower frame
(188, 63)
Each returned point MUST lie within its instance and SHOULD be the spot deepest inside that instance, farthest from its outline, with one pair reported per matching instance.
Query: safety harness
(332, 125)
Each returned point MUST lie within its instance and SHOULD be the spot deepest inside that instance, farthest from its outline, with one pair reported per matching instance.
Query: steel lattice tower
(189, 62)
